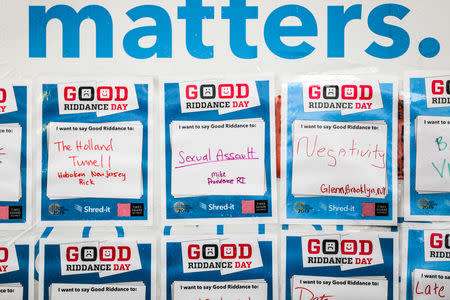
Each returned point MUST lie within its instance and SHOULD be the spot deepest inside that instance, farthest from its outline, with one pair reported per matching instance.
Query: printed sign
(231, 290)
(219, 147)
(96, 147)
(426, 265)
(339, 150)
(104, 258)
(113, 268)
(350, 288)
(225, 255)
(427, 173)
(219, 267)
(103, 97)
(328, 265)
(347, 97)
(349, 251)
(223, 96)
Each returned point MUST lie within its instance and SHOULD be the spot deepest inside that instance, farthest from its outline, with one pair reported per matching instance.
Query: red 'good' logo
(346, 247)
(438, 87)
(224, 251)
(102, 93)
(221, 91)
(105, 253)
(4, 254)
(2, 95)
(438, 241)
(346, 92)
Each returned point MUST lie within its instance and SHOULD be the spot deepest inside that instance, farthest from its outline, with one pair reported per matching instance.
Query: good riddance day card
(219, 149)
(339, 150)
(95, 150)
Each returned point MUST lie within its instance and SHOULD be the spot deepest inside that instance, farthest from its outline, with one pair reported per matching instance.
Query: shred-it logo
(345, 97)
(103, 258)
(8, 259)
(104, 98)
(223, 96)
(347, 251)
(438, 91)
(437, 245)
(227, 255)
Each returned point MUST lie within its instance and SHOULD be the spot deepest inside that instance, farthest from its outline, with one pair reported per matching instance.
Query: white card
(112, 291)
(433, 154)
(95, 160)
(339, 159)
(431, 285)
(231, 290)
(218, 157)
(10, 151)
(338, 288)
(11, 291)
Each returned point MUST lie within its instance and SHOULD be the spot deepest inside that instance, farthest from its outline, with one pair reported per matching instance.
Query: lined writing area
(339, 159)
(218, 158)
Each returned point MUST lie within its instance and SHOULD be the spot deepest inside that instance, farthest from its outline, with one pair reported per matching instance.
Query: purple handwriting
(1, 153)
(188, 160)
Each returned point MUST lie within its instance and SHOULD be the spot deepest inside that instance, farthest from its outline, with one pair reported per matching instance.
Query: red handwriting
(304, 292)
(431, 290)
(88, 146)
(361, 189)
(375, 154)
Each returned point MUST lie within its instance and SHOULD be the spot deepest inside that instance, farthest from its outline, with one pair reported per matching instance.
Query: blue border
(317, 207)
(193, 210)
(50, 113)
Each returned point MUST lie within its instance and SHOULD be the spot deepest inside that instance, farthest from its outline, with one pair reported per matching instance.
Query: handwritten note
(95, 160)
(10, 151)
(112, 291)
(433, 154)
(229, 290)
(338, 288)
(339, 159)
(431, 285)
(218, 157)
(11, 291)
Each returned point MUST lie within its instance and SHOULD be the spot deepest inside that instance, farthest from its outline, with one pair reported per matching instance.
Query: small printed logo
(300, 207)
(54, 209)
(424, 203)
(179, 207)
(78, 208)
(203, 206)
